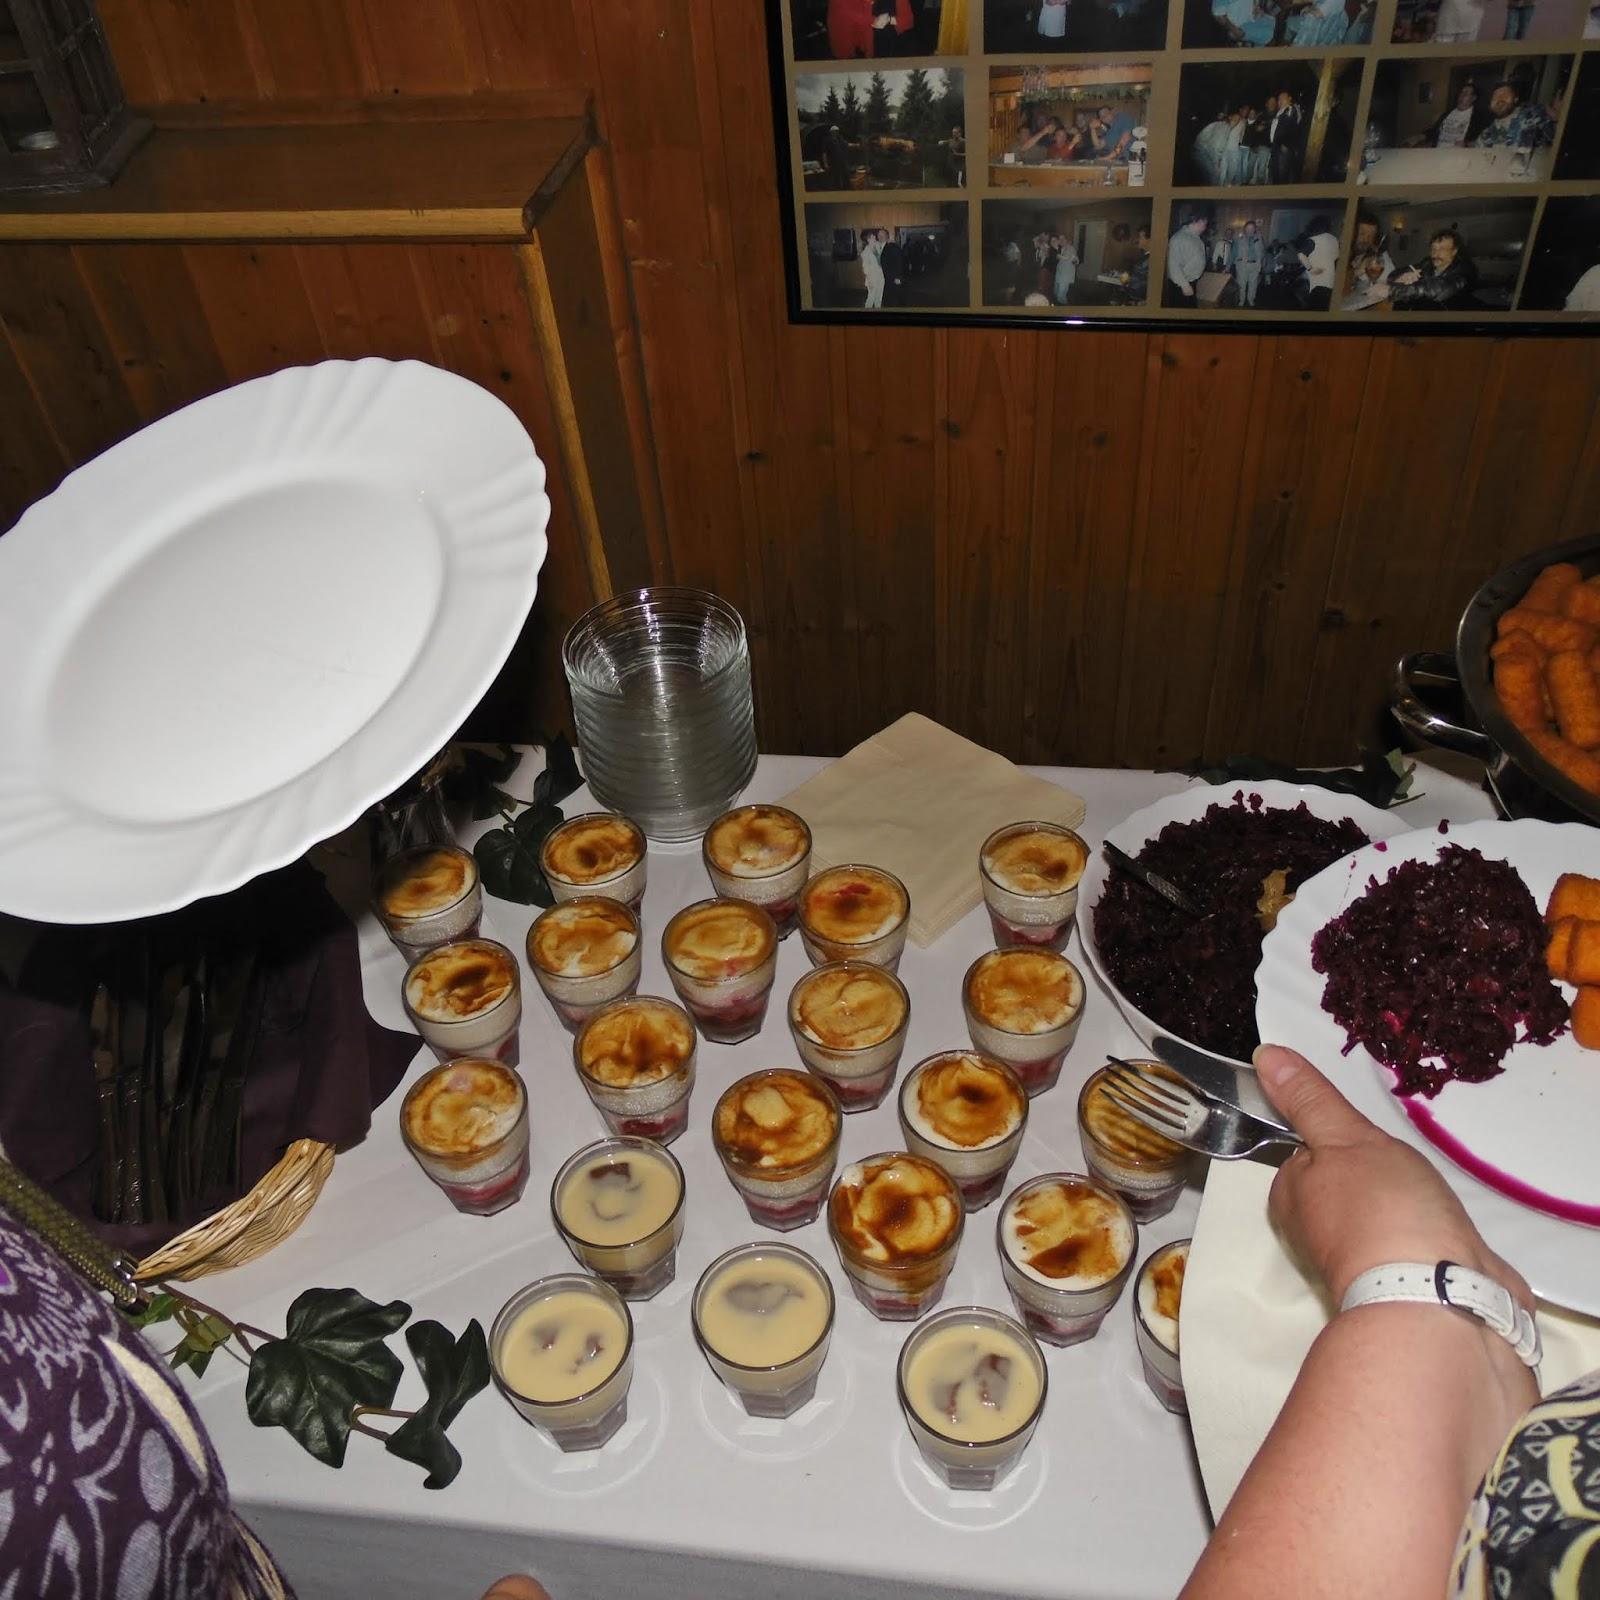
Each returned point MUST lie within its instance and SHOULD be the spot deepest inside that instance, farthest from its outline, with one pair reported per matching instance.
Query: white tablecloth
(694, 1497)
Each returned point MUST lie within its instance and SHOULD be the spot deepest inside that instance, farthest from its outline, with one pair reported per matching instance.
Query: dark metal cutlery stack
(172, 1027)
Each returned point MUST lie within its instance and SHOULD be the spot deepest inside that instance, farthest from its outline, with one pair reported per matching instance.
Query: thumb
(1315, 1109)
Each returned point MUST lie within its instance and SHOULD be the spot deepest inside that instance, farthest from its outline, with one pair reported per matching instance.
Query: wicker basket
(253, 1224)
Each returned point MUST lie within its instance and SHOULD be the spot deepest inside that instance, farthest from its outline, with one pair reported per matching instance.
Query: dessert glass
(636, 1058)
(465, 999)
(1064, 1287)
(776, 1388)
(968, 1114)
(1158, 1292)
(466, 1122)
(777, 1135)
(896, 1221)
(599, 852)
(849, 1022)
(584, 1420)
(427, 897)
(722, 956)
(585, 952)
(1030, 873)
(760, 854)
(1023, 1007)
(636, 1265)
(1145, 1168)
(855, 913)
(979, 1447)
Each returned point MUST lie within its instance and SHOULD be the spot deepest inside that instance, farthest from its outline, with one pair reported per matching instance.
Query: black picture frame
(1165, 196)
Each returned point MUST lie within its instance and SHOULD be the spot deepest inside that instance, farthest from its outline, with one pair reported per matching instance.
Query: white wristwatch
(1444, 1283)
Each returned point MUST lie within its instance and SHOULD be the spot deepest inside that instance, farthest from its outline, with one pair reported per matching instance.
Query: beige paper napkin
(920, 800)
(1250, 1315)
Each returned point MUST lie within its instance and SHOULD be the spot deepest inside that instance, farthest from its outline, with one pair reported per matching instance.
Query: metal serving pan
(1523, 782)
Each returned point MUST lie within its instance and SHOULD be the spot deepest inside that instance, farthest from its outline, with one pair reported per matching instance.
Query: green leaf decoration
(454, 1371)
(332, 1359)
(203, 1335)
(474, 780)
(161, 1308)
(560, 776)
(510, 871)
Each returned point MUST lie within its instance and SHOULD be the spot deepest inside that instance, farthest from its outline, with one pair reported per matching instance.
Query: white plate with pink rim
(228, 635)
(1519, 1149)
(1189, 805)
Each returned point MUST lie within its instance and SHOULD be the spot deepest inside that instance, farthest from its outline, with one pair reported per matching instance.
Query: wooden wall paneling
(1197, 394)
(56, 334)
(426, 46)
(202, 47)
(154, 323)
(648, 80)
(475, 303)
(629, 357)
(1580, 516)
(1526, 452)
(1398, 521)
(566, 281)
(365, 301)
(1087, 446)
(311, 49)
(136, 50)
(991, 417)
(890, 551)
(532, 46)
(256, 307)
(793, 414)
(32, 460)
(1301, 417)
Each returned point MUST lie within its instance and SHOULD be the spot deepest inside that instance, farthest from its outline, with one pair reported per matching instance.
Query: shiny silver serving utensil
(1178, 1113)
(1222, 1081)
(1169, 891)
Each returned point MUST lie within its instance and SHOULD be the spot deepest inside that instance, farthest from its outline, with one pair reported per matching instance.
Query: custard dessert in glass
(896, 1221)
(636, 1060)
(777, 1135)
(465, 999)
(849, 1020)
(1023, 1007)
(760, 854)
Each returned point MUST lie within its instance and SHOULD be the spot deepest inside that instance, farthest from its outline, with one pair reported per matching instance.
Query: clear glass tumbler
(660, 683)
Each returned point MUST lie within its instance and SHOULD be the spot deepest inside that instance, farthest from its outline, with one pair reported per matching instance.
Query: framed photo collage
(1410, 165)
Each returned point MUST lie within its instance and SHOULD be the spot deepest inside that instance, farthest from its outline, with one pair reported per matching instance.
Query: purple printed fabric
(108, 1484)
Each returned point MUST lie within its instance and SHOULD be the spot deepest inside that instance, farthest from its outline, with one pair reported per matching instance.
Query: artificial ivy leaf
(535, 823)
(475, 776)
(159, 1308)
(560, 776)
(331, 1360)
(454, 1371)
(203, 1336)
(510, 870)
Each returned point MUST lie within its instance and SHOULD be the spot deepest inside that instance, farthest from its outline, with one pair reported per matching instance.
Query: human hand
(1410, 275)
(1188, 290)
(516, 1587)
(1356, 1198)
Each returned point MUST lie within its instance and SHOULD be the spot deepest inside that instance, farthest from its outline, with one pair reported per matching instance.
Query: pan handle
(1434, 669)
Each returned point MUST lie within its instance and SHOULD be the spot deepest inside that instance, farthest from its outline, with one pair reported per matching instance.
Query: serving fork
(1175, 1109)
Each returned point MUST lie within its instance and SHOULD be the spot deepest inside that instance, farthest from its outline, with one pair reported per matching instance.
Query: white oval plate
(1517, 1148)
(227, 636)
(1135, 831)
